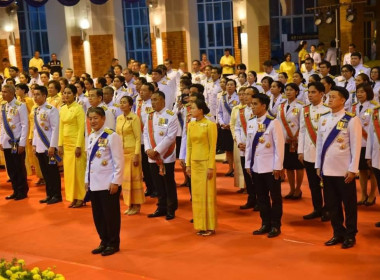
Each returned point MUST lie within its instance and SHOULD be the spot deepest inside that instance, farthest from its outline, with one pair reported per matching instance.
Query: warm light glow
(8, 27)
(160, 53)
(84, 24)
(157, 19)
(242, 13)
(12, 55)
(244, 47)
(87, 57)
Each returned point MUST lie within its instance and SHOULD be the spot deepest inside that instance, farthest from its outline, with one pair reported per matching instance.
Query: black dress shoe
(98, 250)
(326, 217)
(170, 216)
(288, 196)
(312, 215)
(154, 194)
(256, 208)
(335, 240)
(110, 251)
(263, 230)
(45, 200)
(229, 174)
(12, 196)
(274, 232)
(370, 203)
(246, 206)
(377, 224)
(21, 196)
(348, 243)
(54, 200)
(240, 191)
(297, 197)
(192, 221)
(157, 213)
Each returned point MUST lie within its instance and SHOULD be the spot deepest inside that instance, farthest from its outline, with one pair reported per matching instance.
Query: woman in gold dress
(71, 147)
(200, 166)
(128, 126)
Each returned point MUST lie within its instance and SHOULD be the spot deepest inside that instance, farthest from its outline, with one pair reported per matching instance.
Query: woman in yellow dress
(200, 166)
(22, 91)
(71, 147)
(128, 126)
(288, 67)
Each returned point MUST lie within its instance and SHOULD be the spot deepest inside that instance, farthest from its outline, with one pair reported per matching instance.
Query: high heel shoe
(362, 202)
(78, 204)
(73, 203)
(289, 195)
(298, 197)
(370, 203)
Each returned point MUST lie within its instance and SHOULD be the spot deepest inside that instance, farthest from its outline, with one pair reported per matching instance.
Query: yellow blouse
(289, 68)
(55, 101)
(201, 142)
(71, 124)
(302, 54)
(129, 129)
(29, 103)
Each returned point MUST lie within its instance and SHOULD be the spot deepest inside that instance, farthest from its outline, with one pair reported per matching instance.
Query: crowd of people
(112, 135)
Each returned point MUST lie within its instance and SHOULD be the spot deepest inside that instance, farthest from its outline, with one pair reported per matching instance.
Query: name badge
(163, 122)
(102, 142)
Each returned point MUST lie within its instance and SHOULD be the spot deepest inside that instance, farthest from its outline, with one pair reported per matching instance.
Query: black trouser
(336, 193)
(266, 185)
(376, 172)
(146, 172)
(314, 185)
(50, 172)
(106, 214)
(166, 188)
(251, 189)
(16, 171)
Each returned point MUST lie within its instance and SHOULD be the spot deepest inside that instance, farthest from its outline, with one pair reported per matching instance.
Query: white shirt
(118, 94)
(269, 154)
(48, 120)
(373, 146)
(365, 116)
(224, 116)
(360, 68)
(198, 77)
(17, 116)
(211, 96)
(331, 56)
(307, 74)
(107, 166)
(168, 91)
(305, 144)
(351, 88)
(344, 152)
(240, 134)
(292, 117)
(273, 105)
(165, 126)
(273, 75)
(316, 56)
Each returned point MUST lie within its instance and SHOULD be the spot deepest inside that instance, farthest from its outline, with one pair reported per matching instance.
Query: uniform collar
(161, 112)
(365, 103)
(317, 106)
(339, 113)
(99, 132)
(12, 102)
(43, 105)
(262, 118)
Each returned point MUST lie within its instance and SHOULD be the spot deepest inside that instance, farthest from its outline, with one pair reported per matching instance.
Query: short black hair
(241, 66)
(102, 81)
(231, 80)
(24, 87)
(42, 89)
(200, 87)
(56, 84)
(121, 78)
(129, 99)
(73, 89)
(109, 89)
(316, 77)
(218, 69)
(263, 99)
(142, 80)
(284, 74)
(160, 93)
(325, 62)
(198, 95)
(97, 110)
(14, 68)
(268, 63)
(98, 92)
(293, 86)
(157, 70)
(243, 74)
(318, 85)
(150, 86)
(267, 78)
(329, 80)
(201, 104)
(309, 59)
(342, 91)
(88, 79)
(358, 54)
(368, 90)
(255, 90)
(350, 68)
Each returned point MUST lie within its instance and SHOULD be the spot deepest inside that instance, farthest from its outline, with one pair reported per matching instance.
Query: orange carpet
(54, 235)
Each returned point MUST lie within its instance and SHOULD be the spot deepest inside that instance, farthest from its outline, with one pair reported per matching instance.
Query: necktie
(287, 108)
(360, 108)
(345, 84)
(373, 85)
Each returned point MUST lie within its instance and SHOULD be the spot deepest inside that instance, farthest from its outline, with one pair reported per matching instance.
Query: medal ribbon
(243, 121)
(309, 126)
(225, 102)
(9, 131)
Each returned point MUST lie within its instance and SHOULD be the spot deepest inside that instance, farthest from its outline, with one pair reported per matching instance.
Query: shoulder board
(331, 76)
(209, 115)
(252, 117)
(326, 105)
(377, 107)
(350, 114)
(3, 102)
(300, 102)
(224, 93)
(258, 84)
(374, 102)
(356, 103)
(187, 105)
(307, 105)
(48, 106)
(108, 130)
(116, 105)
(171, 113)
(365, 66)
(270, 117)
(104, 108)
(18, 103)
(123, 89)
(149, 110)
(283, 101)
(304, 85)
(168, 78)
(325, 113)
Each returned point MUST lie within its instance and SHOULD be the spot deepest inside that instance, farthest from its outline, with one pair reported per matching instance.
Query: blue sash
(180, 119)
(44, 139)
(9, 131)
(255, 141)
(229, 110)
(331, 137)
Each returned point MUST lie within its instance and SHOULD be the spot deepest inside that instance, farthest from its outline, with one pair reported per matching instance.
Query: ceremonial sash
(376, 123)
(180, 119)
(9, 131)
(284, 122)
(188, 116)
(139, 114)
(243, 121)
(152, 140)
(225, 102)
(45, 140)
(331, 137)
(309, 125)
(255, 141)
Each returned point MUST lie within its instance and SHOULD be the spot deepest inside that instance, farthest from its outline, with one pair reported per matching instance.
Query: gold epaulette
(304, 85)
(258, 84)
(171, 113)
(209, 115)
(270, 117)
(254, 116)
(108, 130)
(300, 102)
(326, 105)
(164, 83)
(105, 108)
(307, 105)
(116, 105)
(168, 78)
(48, 106)
(351, 114)
(149, 110)
(356, 103)
(374, 102)
(18, 103)
(325, 113)
(331, 76)
(187, 105)
(3, 102)
(224, 93)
